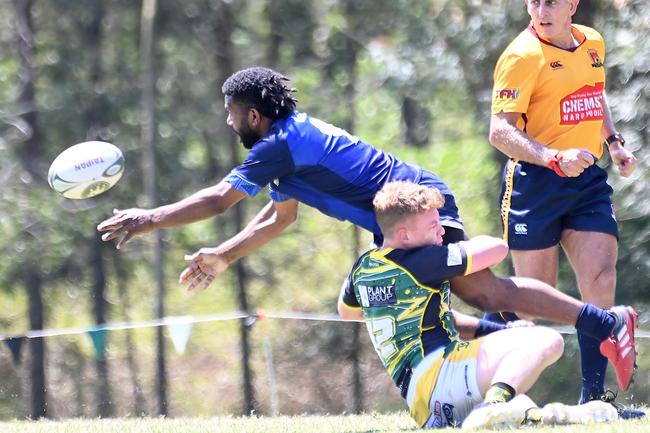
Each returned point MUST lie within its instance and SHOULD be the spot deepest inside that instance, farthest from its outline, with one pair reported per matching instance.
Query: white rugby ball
(86, 169)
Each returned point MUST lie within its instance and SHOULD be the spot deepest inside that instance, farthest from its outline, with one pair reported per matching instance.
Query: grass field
(368, 423)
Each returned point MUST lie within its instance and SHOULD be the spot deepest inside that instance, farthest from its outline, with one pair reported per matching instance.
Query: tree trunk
(139, 405)
(34, 283)
(28, 152)
(94, 119)
(102, 389)
(350, 66)
(224, 20)
(149, 172)
(417, 119)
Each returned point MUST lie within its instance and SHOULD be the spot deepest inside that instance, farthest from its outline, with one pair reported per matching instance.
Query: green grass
(368, 423)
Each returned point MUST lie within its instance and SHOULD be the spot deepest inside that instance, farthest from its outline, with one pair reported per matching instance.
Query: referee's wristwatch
(614, 138)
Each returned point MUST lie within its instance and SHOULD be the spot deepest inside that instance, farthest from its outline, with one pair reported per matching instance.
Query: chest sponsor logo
(377, 296)
(595, 59)
(501, 94)
(583, 105)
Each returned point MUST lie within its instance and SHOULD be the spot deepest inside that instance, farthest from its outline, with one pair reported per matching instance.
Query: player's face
(238, 114)
(424, 229)
(552, 19)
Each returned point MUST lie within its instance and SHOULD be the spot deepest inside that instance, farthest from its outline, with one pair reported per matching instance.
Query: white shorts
(444, 390)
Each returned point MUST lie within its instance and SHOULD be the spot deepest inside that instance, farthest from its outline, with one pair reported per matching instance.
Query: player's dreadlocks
(262, 88)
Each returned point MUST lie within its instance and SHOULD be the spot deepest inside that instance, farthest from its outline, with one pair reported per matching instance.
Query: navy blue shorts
(449, 216)
(537, 205)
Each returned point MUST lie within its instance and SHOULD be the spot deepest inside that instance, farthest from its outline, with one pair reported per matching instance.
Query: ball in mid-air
(86, 169)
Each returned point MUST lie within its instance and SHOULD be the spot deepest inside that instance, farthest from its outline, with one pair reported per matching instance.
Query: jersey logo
(377, 296)
(448, 412)
(556, 65)
(506, 94)
(454, 256)
(583, 105)
(521, 229)
(595, 58)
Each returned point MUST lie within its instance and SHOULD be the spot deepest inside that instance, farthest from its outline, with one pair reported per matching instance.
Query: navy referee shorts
(537, 205)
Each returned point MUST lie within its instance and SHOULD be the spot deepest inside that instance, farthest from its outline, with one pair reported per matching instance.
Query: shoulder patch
(454, 256)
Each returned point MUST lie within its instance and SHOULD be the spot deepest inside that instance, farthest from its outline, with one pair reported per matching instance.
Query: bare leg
(517, 356)
(593, 258)
(539, 264)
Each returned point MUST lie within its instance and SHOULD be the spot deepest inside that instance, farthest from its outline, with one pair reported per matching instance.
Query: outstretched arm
(208, 263)
(200, 205)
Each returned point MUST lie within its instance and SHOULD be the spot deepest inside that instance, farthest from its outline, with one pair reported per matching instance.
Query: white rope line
(234, 315)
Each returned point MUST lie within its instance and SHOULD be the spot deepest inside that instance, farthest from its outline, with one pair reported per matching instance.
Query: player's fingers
(125, 239)
(207, 282)
(191, 257)
(187, 273)
(196, 281)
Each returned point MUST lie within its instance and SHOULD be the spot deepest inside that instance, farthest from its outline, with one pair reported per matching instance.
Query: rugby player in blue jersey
(303, 159)
(401, 289)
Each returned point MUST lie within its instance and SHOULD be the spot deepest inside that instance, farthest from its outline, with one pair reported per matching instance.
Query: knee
(550, 343)
(600, 290)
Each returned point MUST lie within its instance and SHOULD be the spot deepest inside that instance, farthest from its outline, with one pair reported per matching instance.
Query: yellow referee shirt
(559, 91)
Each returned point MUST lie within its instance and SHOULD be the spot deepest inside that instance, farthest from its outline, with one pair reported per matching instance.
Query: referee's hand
(624, 160)
(573, 162)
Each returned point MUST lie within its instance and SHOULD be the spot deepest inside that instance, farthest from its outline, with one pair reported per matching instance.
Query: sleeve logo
(506, 94)
(454, 256)
(585, 104)
(595, 59)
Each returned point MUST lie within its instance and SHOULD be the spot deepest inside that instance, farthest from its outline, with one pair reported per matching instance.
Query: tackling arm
(346, 312)
(485, 251)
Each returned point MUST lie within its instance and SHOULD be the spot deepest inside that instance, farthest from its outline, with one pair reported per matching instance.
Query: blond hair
(397, 200)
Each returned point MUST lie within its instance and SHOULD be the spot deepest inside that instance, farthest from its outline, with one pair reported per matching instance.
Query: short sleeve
(433, 264)
(347, 293)
(276, 195)
(515, 78)
(269, 159)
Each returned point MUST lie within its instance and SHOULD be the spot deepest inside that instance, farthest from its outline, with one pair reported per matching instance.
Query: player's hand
(624, 160)
(519, 324)
(204, 266)
(126, 223)
(573, 162)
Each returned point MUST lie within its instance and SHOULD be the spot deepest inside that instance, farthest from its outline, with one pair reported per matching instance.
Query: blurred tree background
(413, 77)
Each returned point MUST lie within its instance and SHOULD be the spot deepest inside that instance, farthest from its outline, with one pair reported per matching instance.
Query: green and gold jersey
(405, 298)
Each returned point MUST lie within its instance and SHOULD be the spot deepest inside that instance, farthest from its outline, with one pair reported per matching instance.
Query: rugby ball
(86, 169)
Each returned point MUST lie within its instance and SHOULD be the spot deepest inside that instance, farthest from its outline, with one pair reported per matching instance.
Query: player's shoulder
(591, 34)
(525, 48)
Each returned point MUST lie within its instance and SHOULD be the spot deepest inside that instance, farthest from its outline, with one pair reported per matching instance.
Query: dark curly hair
(263, 89)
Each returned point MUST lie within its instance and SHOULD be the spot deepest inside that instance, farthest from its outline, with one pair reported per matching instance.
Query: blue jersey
(327, 168)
